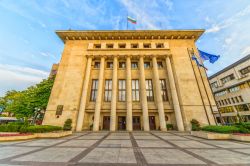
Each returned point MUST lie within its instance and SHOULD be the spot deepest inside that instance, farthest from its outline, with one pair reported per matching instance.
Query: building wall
(234, 95)
(190, 88)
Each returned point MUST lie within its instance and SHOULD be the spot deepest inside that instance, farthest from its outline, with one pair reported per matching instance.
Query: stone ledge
(210, 135)
(239, 137)
(36, 135)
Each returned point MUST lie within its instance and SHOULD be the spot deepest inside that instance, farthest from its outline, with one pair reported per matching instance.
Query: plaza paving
(124, 149)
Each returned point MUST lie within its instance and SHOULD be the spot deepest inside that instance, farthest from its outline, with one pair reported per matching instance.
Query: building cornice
(129, 34)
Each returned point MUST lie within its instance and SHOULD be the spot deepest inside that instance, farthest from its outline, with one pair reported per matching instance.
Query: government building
(231, 88)
(130, 80)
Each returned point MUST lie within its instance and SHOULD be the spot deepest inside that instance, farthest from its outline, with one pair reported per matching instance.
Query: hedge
(28, 129)
(221, 129)
(39, 129)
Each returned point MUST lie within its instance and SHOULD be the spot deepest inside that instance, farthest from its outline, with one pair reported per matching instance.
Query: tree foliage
(25, 104)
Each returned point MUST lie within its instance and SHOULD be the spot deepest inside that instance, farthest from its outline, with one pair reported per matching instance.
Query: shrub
(170, 126)
(67, 124)
(195, 125)
(221, 129)
(10, 128)
(39, 129)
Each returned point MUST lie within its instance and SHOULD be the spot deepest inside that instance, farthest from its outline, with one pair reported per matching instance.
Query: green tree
(27, 103)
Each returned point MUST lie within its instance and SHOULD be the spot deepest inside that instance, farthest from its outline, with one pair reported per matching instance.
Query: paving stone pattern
(136, 148)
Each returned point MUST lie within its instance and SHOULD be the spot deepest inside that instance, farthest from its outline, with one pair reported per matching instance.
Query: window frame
(145, 66)
(109, 65)
(94, 89)
(122, 63)
(135, 65)
(122, 90)
(149, 89)
(164, 91)
(135, 90)
(108, 90)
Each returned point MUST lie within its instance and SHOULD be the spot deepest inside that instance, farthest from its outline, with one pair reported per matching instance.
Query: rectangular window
(163, 90)
(229, 101)
(108, 90)
(245, 70)
(149, 90)
(122, 90)
(214, 84)
(241, 99)
(122, 45)
(122, 65)
(237, 100)
(160, 65)
(97, 45)
(159, 45)
(146, 45)
(233, 100)
(228, 78)
(225, 101)
(97, 65)
(110, 65)
(134, 45)
(135, 90)
(134, 65)
(109, 45)
(94, 88)
(146, 65)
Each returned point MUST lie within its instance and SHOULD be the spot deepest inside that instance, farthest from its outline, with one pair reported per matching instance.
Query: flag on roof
(132, 20)
(206, 56)
(198, 62)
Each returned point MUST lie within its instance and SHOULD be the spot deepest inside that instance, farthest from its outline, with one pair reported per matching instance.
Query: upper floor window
(110, 65)
(108, 90)
(122, 45)
(97, 65)
(163, 90)
(237, 100)
(97, 45)
(234, 89)
(221, 93)
(232, 100)
(122, 65)
(159, 45)
(241, 99)
(94, 88)
(146, 65)
(160, 65)
(134, 46)
(134, 65)
(214, 84)
(146, 45)
(228, 78)
(245, 70)
(135, 90)
(149, 90)
(122, 90)
(110, 45)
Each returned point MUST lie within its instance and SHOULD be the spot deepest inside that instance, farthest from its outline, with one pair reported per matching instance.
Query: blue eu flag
(206, 56)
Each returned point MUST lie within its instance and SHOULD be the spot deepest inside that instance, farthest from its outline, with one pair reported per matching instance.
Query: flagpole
(222, 121)
(206, 89)
(198, 87)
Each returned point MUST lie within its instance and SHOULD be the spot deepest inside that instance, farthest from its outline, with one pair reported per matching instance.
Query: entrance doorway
(121, 123)
(106, 122)
(152, 122)
(136, 123)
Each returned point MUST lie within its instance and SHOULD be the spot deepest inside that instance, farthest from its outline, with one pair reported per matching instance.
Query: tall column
(159, 96)
(99, 97)
(144, 102)
(114, 92)
(129, 118)
(175, 99)
(83, 101)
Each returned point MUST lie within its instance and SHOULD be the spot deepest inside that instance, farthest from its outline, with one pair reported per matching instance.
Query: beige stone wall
(68, 84)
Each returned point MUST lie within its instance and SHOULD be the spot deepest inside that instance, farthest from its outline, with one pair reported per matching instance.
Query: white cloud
(47, 54)
(228, 40)
(230, 21)
(246, 51)
(18, 77)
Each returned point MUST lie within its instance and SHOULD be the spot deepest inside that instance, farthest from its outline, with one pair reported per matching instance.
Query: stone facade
(149, 58)
(231, 87)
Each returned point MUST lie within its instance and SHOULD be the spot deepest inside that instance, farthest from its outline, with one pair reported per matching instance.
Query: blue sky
(29, 45)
